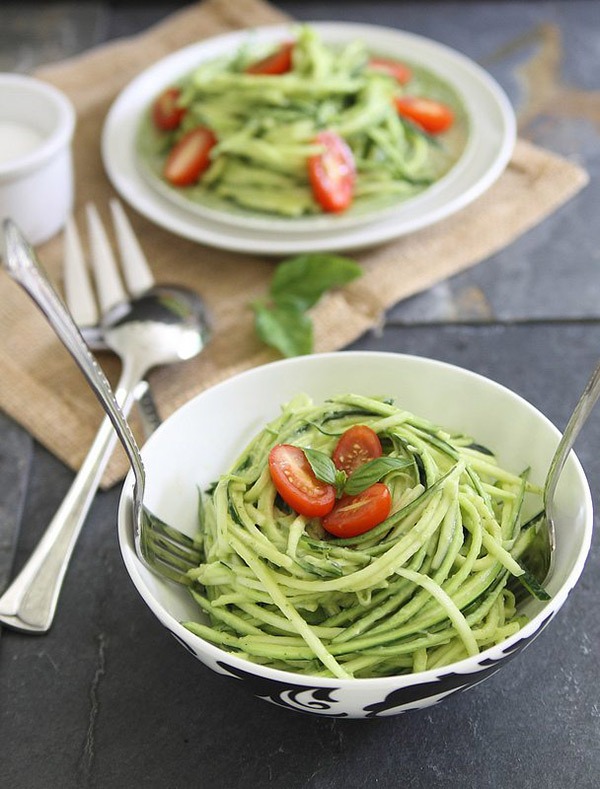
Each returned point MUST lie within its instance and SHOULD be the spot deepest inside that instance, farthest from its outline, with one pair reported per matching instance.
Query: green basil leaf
(372, 471)
(302, 280)
(322, 465)
(285, 328)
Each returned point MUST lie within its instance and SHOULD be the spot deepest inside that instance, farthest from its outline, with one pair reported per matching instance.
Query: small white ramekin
(36, 189)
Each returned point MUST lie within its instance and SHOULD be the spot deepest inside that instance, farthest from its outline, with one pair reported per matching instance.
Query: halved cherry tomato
(190, 157)
(166, 112)
(354, 515)
(280, 62)
(296, 483)
(355, 447)
(393, 68)
(332, 173)
(432, 116)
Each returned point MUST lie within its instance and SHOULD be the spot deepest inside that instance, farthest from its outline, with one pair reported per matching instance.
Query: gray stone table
(107, 699)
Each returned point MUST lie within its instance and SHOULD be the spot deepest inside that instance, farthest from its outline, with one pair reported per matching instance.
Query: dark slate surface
(15, 458)
(118, 703)
(108, 699)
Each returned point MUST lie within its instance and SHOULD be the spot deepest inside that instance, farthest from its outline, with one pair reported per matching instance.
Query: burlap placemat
(40, 386)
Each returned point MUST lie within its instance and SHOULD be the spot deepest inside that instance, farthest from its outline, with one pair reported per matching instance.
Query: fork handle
(29, 603)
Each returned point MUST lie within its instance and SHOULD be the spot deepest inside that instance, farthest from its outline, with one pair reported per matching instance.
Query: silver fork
(166, 550)
(162, 548)
(162, 325)
(81, 299)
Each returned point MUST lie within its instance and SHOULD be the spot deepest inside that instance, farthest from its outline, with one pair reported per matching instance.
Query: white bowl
(36, 188)
(200, 441)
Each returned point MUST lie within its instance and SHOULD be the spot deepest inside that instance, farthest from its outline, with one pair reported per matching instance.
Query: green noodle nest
(423, 589)
(266, 128)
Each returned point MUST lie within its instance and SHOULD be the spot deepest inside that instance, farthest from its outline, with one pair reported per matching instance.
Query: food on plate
(190, 156)
(352, 538)
(167, 112)
(301, 127)
(431, 116)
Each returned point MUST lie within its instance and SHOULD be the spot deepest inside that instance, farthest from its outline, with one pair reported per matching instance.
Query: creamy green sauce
(266, 127)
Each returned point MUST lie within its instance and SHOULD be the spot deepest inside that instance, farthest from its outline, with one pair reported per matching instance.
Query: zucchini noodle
(426, 587)
(266, 127)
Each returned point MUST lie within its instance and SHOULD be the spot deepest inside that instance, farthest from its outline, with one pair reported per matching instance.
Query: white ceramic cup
(36, 187)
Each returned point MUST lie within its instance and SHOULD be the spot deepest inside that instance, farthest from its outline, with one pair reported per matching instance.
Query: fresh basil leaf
(325, 470)
(322, 465)
(302, 280)
(372, 471)
(296, 286)
(285, 328)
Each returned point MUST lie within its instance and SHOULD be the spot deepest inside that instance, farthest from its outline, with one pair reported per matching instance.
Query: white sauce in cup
(17, 140)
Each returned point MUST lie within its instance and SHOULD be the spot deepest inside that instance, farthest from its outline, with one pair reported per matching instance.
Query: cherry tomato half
(166, 112)
(296, 483)
(353, 515)
(432, 116)
(190, 157)
(355, 447)
(280, 62)
(332, 173)
(392, 68)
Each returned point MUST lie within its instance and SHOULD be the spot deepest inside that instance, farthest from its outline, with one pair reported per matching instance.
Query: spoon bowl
(166, 324)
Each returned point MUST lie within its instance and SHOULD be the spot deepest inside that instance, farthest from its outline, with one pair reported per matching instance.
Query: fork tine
(135, 267)
(108, 281)
(79, 294)
(167, 550)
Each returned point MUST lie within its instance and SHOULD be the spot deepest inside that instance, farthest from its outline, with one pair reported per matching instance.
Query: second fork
(158, 326)
(82, 302)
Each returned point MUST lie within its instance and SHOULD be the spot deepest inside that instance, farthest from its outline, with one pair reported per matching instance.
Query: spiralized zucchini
(425, 588)
(266, 127)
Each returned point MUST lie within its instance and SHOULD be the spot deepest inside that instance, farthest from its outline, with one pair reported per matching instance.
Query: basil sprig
(362, 478)
(324, 469)
(281, 320)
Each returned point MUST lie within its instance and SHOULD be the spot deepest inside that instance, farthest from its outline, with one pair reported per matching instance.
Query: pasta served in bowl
(367, 519)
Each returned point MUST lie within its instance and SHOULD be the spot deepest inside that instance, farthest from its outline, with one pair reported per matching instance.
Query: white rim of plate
(487, 152)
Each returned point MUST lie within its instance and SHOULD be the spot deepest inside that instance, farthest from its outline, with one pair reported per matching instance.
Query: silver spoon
(162, 326)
